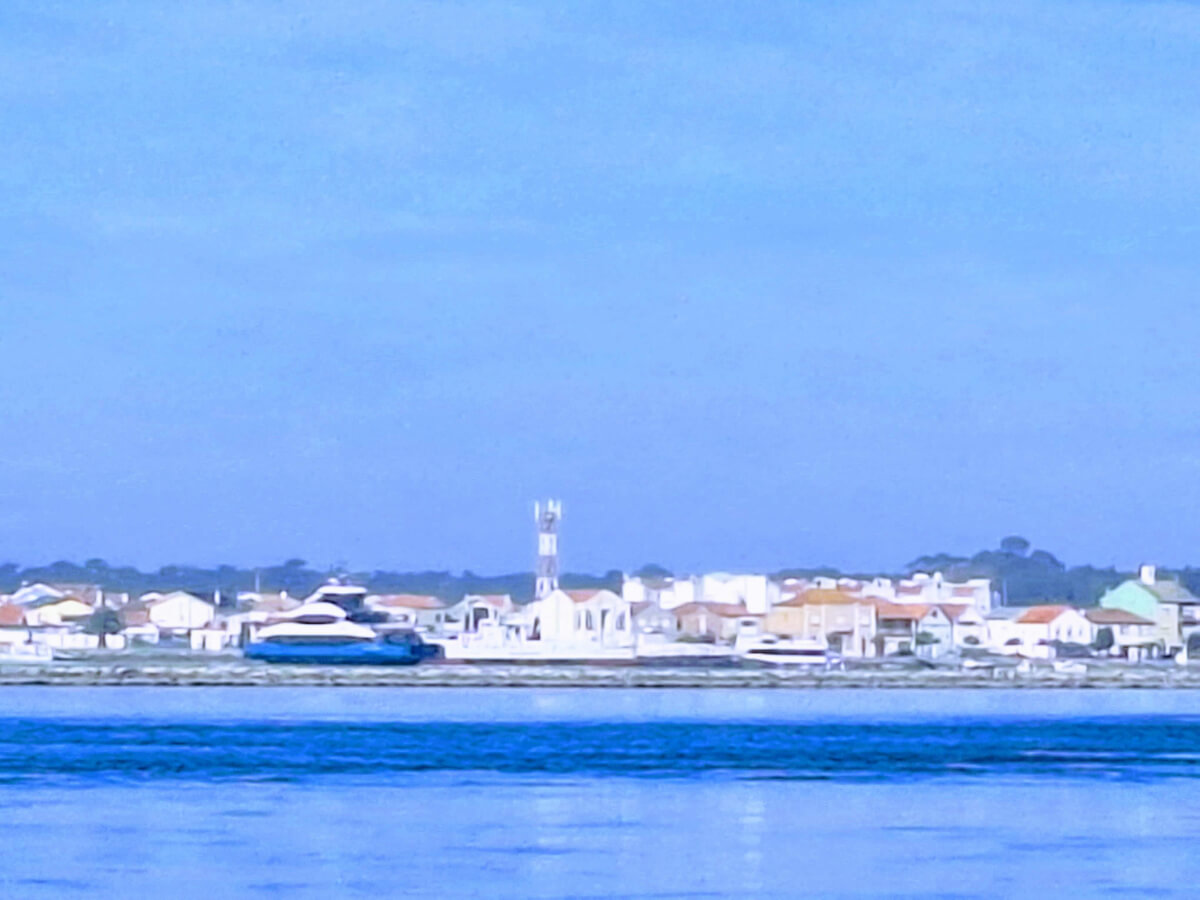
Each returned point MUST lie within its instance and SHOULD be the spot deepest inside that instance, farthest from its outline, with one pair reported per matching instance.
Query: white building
(563, 625)
(35, 593)
(1133, 636)
(665, 593)
(968, 627)
(179, 612)
(56, 611)
(1032, 631)
(757, 593)
(578, 620)
(933, 589)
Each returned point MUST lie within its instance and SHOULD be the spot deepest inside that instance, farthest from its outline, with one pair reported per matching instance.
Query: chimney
(1147, 574)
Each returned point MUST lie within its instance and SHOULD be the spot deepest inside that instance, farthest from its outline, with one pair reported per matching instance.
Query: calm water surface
(248, 792)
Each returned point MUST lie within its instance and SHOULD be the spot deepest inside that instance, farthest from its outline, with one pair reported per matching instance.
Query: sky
(756, 286)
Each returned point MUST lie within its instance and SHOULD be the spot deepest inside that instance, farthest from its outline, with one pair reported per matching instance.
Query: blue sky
(757, 286)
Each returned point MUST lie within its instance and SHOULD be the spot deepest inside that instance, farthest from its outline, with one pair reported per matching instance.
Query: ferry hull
(339, 655)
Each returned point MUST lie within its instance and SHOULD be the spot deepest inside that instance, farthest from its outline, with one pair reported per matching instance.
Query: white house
(757, 593)
(475, 613)
(968, 627)
(666, 593)
(179, 612)
(1133, 636)
(595, 618)
(56, 611)
(927, 589)
(925, 630)
(1032, 631)
(29, 594)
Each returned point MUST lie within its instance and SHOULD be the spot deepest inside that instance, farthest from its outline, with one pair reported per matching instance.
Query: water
(195, 793)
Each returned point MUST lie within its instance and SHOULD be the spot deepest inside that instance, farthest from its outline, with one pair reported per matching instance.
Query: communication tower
(547, 516)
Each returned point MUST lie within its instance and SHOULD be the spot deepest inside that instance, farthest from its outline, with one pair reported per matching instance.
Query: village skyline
(1022, 573)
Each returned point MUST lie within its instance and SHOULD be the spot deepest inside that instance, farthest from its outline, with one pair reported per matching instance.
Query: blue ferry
(323, 630)
(400, 649)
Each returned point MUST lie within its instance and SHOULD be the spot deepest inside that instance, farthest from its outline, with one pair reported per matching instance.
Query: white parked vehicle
(768, 648)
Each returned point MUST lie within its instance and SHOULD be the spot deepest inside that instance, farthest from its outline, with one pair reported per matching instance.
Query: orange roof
(11, 614)
(911, 611)
(911, 590)
(953, 611)
(822, 597)
(963, 591)
(1042, 615)
(408, 601)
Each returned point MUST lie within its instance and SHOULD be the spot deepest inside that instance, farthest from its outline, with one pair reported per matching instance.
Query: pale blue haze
(750, 285)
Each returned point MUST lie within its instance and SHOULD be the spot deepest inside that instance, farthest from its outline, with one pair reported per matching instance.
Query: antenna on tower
(547, 515)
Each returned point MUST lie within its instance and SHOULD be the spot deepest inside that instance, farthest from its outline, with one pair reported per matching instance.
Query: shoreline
(111, 673)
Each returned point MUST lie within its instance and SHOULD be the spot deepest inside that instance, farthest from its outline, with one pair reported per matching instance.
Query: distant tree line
(1021, 574)
(1024, 576)
(295, 576)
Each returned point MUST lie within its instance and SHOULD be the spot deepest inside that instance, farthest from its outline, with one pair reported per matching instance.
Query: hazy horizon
(758, 287)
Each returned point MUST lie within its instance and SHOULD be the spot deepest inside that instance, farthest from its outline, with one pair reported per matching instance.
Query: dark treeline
(1020, 573)
(294, 576)
(1024, 576)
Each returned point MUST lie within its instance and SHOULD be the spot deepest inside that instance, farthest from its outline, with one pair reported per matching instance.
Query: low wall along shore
(236, 672)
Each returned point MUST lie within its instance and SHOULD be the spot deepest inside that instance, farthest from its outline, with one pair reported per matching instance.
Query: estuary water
(442, 793)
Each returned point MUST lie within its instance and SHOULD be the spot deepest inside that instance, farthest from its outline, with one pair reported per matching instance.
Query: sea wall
(240, 673)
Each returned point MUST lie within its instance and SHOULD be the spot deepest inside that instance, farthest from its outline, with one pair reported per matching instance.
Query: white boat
(774, 650)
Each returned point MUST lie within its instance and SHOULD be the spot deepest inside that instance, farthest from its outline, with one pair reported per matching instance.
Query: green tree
(103, 622)
(925, 639)
(653, 570)
(1015, 544)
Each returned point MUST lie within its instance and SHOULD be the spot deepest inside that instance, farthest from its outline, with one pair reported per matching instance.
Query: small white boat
(768, 648)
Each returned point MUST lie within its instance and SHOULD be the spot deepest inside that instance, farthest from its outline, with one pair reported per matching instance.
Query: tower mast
(547, 516)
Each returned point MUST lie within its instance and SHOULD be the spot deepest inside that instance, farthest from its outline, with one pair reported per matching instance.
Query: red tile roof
(822, 597)
(1108, 616)
(911, 611)
(953, 611)
(1042, 615)
(11, 614)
